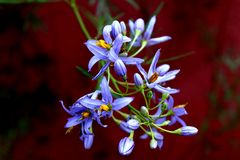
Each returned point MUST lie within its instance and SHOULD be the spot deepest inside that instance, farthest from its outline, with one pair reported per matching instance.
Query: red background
(38, 68)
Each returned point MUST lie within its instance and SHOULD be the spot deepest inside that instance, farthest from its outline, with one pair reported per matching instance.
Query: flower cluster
(117, 50)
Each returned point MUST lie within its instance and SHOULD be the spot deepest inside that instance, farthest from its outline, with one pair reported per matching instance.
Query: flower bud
(126, 146)
(120, 68)
(123, 27)
(165, 96)
(153, 144)
(186, 131)
(139, 24)
(164, 106)
(133, 124)
(116, 28)
(144, 111)
(138, 80)
(149, 94)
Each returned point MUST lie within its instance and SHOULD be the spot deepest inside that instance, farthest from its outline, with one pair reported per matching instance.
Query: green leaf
(27, 1)
(84, 71)
(134, 4)
(159, 8)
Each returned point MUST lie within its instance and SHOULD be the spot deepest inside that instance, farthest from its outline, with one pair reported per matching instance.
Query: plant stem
(74, 7)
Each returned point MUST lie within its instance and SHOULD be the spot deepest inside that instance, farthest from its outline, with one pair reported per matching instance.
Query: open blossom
(107, 105)
(109, 50)
(139, 25)
(158, 75)
(84, 117)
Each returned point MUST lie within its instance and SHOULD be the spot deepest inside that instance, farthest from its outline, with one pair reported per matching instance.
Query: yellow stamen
(103, 44)
(85, 114)
(104, 107)
(153, 78)
(69, 130)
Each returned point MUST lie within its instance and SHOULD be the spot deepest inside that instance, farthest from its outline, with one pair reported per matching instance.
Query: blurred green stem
(74, 7)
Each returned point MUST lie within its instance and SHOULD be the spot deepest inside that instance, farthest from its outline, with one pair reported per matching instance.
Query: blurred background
(41, 45)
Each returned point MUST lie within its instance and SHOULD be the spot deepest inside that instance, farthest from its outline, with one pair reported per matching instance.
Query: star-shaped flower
(157, 76)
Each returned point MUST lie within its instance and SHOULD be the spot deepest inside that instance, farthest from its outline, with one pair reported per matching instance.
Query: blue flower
(177, 111)
(83, 116)
(139, 25)
(125, 146)
(156, 76)
(109, 50)
(107, 105)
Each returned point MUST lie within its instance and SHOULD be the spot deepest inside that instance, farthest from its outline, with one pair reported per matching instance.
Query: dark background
(41, 45)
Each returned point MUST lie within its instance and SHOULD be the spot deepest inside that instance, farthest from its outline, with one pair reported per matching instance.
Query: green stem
(144, 44)
(162, 129)
(126, 94)
(137, 33)
(74, 7)
(145, 99)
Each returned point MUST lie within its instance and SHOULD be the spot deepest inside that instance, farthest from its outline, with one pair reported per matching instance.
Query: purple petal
(142, 71)
(63, 106)
(91, 103)
(149, 28)
(181, 121)
(170, 102)
(73, 121)
(165, 89)
(116, 28)
(131, 26)
(103, 69)
(117, 44)
(92, 61)
(153, 65)
(112, 55)
(162, 69)
(160, 144)
(96, 50)
(169, 76)
(144, 136)
(130, 60)
(120, 68)
(158, 40)
(88, 141)
(126, 39)
(106, 94)
(179, 111)
(121, 102)
(107, 34)
(123, 27)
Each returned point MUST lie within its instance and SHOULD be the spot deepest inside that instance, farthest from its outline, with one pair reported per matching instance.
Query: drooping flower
(109, 50)
(146, 38)
(107, 105)
(156, 76)
(125, 146)
(84, 117)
